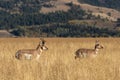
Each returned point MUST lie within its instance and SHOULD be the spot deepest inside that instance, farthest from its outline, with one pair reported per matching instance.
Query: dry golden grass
(58, 62)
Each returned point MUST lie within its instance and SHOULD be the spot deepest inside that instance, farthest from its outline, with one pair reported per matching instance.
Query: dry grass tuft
(58, 62)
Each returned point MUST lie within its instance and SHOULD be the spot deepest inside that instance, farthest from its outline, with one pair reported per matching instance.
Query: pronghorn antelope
(31, 53)
(88, 52)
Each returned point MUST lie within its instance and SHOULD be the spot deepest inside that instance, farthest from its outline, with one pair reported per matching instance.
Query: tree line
(10, 21)
(65, 30)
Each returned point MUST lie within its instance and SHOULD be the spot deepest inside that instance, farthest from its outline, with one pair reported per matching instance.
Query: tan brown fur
(31, 53)
(83, 52)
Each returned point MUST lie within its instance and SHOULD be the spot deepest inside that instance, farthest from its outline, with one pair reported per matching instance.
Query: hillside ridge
(104, 12)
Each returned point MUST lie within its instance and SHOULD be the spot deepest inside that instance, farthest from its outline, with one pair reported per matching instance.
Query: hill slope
(104, 12)
(4, 33)
(61, 18)
(104, 3)
(46, 6)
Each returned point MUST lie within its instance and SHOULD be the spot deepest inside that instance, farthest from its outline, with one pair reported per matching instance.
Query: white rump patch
(17, 54)
(28, 56)
(84, 55)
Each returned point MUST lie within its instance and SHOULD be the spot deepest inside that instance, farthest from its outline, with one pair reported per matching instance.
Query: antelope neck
(96, 50)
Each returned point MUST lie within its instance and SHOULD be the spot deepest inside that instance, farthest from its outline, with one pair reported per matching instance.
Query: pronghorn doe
(31, 53)
(83, 52)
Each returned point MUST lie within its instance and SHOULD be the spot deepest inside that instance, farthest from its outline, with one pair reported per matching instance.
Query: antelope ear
(97, 42)
(42, 41)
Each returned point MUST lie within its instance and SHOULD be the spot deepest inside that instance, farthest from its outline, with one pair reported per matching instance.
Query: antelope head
(98, 45)
(42, 44)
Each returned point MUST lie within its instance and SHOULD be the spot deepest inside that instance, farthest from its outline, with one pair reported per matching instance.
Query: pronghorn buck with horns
(83, 52)
(31, 53)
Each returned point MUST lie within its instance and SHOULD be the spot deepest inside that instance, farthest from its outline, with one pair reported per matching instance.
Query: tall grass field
(58, 62)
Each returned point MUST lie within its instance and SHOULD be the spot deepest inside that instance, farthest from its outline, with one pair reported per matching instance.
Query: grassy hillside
(20, 15)
(105, 3)
(58, 62)
(9, 20)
